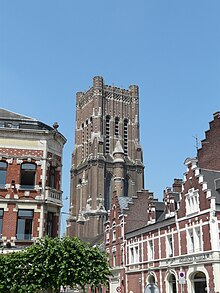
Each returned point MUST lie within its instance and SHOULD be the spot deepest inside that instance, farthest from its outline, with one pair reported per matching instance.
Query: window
(126, 186)
(113, 231)
(200, 284)
(198, 242)
(107, 134)
(108, 192)
(114, 259)
(134, 255)
(28, 171)
(52, 177)
(1, 222)
(150, 250)
(50, 226)
(24, 224)
(126, 137)
(172, 284)
(83, 141)
(192, 201)
(191, 247)
(116, 126)
(3, 172)
(87, 138)
(107, 234)
(169, 246)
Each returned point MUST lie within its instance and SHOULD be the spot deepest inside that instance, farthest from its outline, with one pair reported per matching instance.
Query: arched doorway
(172, 283)
(199, 283)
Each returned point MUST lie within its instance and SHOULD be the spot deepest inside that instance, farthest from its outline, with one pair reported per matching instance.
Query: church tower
(107, 155)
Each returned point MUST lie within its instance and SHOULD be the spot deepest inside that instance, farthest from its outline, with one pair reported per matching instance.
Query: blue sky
(49, 50)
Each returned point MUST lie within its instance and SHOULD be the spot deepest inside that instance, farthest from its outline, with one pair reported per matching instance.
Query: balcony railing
(53, 196)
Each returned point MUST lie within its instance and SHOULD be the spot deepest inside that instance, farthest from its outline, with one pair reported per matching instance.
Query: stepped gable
(137, 210)
(209, 153)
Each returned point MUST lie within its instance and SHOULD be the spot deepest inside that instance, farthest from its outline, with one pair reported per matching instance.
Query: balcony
(53, 196)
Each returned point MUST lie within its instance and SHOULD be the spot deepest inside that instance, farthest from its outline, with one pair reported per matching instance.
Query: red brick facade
(30, 180)
(175, 244)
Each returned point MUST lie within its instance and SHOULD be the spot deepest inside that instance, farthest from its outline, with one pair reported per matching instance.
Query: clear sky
(51, 49)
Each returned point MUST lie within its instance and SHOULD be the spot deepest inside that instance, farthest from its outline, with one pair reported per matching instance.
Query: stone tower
(107, 155)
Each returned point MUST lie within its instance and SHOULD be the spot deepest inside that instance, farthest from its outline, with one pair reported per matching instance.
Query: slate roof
(9, 119)
(5, 114)
(124, 202)
(210, 176)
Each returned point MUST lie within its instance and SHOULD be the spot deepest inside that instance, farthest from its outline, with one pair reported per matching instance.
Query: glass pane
(28, 166)
(0, 227)
(20, 229)
(28, 177)
(1, 213)
(3, 165)
(2, 177)
(25, 213)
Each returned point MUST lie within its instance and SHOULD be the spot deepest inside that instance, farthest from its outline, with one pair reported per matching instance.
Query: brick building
(30, 179)
(175, 245)
(107, 155)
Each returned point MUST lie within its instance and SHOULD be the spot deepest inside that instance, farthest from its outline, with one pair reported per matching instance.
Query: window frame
(28, 180)
(3, 171)
(27, 224)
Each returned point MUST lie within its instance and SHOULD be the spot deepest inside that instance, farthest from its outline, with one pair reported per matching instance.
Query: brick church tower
(107, 155)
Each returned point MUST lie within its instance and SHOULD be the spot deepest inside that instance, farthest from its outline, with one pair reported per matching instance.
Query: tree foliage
(52, 263)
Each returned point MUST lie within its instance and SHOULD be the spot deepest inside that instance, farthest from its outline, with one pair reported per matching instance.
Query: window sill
(24, 241)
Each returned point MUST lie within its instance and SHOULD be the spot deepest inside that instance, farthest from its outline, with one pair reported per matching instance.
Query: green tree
(52, 263)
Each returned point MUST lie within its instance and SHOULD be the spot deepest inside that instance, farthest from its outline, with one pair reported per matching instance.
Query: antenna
(197, 142)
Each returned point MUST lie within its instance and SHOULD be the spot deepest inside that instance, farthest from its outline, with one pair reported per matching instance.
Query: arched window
(107, 197)
(151, 279)
(172, 283)
(83, 141)
(126, 186)
(87, 138)
(126, 137)
(28, 172)
(116, 126)
(107, 230)
(107, 134)
(3, 172)
(200, 285)
(113, 231)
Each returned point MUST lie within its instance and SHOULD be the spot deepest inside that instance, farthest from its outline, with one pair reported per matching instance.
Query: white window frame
(169, 245)
(150, 249)
(134, 254)
(113, 231)
(192, 201)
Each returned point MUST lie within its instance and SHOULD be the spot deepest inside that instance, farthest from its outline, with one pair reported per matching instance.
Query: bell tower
(107, 155)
